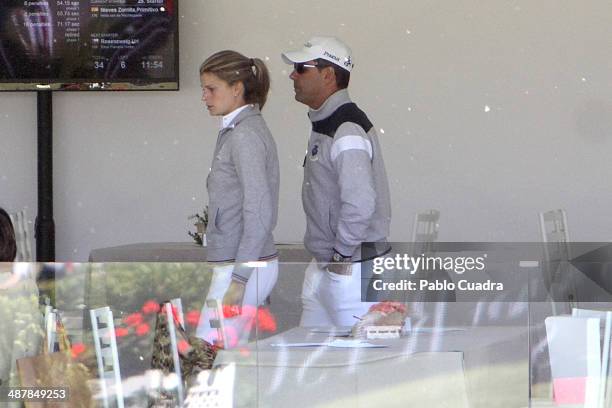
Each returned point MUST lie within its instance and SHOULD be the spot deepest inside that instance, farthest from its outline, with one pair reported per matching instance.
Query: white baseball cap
(327, 48)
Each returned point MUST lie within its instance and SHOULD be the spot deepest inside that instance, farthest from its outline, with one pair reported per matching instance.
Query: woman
(8, 246)
(243, 186)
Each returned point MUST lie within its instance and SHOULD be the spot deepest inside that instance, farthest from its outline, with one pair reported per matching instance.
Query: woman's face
(220, 97)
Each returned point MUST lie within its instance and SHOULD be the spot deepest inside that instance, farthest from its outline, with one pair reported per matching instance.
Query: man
(345, 192)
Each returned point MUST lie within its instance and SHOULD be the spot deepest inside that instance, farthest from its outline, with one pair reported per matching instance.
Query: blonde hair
(231, 67)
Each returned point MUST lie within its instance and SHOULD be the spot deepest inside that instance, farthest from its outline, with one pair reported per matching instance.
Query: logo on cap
(347, 62)
(331, 56)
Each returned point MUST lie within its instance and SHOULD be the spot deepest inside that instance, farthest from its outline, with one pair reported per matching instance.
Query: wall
(491, 112)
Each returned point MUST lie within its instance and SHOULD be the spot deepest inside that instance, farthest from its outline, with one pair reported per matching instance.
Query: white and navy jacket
(345, 192)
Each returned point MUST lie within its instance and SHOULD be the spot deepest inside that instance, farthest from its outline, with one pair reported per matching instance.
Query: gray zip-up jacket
(243, 186)
(345, 192)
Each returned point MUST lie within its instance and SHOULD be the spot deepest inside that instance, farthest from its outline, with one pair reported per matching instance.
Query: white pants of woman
(330, 299)
(258, 288)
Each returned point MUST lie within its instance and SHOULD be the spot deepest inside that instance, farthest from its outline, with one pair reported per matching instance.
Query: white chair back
(50, 322)
(107, 355)
(174, 345)
(605, 322)
(553, 226)
(215, 313)
(214, 388)
(557, 253)
(575, 360)
(424, 233)
(425, 229)
(22, 236)
(178, 305)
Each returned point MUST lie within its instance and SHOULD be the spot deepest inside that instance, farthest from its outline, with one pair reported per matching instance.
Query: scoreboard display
(88, 45)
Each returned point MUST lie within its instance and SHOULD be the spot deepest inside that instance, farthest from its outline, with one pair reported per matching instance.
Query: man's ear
(329, 74)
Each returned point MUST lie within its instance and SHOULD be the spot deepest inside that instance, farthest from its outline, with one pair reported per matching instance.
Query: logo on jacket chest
(314, 153)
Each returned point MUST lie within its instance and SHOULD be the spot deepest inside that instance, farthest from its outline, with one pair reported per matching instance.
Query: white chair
(22, 236)
(178, 305)
(103, 329)
(555, 236)
(174, 344)
(214, 388)
(605, 319)
(575, 359)
(425, 230)
(50, 324)
(553, 226)
(424, 233)
(215, 313)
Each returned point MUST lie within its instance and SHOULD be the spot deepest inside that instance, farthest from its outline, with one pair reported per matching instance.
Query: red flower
(192, 317)
(150, 306)
(266, 321)
(388, 307)
(76, 349)
(142, 329)
(133, 319)
(183, 346)
(121, 332)
(231, 311)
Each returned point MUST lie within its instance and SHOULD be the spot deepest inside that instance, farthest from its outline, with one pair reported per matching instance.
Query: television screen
(88, 45)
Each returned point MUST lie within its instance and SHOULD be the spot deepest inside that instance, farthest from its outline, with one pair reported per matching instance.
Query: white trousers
(258, 288)
(330, 299)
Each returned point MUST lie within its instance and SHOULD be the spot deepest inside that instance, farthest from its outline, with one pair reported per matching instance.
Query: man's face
(309, 85)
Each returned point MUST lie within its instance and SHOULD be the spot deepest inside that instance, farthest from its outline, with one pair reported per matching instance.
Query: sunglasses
(300, 67)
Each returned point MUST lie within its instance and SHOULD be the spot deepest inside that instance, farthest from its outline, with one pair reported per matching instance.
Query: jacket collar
(248, 111)
(332, 103)
(227, 119)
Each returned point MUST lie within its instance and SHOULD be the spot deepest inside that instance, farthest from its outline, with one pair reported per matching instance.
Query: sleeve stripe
(240, 278)
(349, 143)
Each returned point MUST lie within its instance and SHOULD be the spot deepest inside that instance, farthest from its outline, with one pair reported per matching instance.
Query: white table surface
(424, 369)
(179, 252)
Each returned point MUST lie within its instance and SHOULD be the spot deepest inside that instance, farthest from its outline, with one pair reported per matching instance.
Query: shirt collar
(227, 119)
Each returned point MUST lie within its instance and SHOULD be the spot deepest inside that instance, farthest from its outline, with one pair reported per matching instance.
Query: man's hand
(234, 294)
(344, 268)
(340, 264)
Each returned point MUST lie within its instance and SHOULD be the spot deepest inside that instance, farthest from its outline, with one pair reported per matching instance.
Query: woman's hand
(234, 294)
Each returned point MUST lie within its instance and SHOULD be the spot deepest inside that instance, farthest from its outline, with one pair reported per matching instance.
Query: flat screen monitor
(88, 45)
